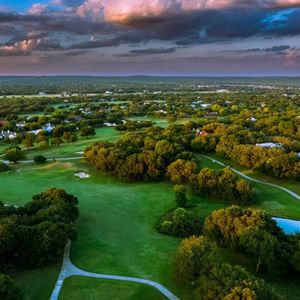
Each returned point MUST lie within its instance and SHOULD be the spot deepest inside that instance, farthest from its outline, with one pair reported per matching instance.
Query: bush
(178, 222)
(4, 167)
(40, 159)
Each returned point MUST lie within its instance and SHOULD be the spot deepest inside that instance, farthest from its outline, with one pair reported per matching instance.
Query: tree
(66, 137)
(195, 256)
(264, 247)
(29, 140)
(14, 154)
(87, 131)
(43, 145)
(8, 291)
(181, 170)
(178, 222)
(56, 141)
(180, 195)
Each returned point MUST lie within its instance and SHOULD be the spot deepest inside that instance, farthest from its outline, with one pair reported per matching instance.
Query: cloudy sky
(163, 37)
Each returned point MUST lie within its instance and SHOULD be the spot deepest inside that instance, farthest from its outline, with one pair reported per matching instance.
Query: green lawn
(116, 225)
(37, 284)
(70, 149)
(83, 288)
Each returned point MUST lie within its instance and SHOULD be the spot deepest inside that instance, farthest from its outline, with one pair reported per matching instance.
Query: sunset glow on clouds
(159, 36)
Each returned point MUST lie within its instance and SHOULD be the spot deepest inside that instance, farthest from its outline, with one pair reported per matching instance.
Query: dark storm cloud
(149, 51)
(181, 28)
(75, 53)
(276, 48)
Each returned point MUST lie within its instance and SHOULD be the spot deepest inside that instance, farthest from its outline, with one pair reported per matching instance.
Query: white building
(269, 145)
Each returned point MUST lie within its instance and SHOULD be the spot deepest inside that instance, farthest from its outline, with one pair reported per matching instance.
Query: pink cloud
(121, 11)
(37, 9)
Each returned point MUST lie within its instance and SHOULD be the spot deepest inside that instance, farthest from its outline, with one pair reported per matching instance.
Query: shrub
(40, 159)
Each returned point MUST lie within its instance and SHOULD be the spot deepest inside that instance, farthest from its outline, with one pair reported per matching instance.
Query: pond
(289, 226)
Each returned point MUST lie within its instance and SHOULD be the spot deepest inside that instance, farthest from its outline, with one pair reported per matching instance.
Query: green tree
(8, 291)
(180, 195)
(14, 154)
(87, 131)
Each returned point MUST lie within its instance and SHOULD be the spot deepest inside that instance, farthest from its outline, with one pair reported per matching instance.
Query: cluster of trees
(35, 234)
(272, 161)
(199, 266)
(141, 156)
(253, 232)
(223, 184)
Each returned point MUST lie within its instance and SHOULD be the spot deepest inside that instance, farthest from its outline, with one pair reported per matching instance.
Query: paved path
(293, 194)
(69, 270)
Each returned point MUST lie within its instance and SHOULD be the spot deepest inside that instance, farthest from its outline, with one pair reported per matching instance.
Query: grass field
(116, 228)
(116, 225)
(37, 284)
(70, 149)
(79, 288)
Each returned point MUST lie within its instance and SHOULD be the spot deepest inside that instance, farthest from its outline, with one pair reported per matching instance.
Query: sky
(153, 37)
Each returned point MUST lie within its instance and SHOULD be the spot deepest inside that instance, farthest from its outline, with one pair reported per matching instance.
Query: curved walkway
(293, 194)
(69, 270)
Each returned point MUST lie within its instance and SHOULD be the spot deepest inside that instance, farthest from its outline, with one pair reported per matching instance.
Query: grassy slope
(81, 288)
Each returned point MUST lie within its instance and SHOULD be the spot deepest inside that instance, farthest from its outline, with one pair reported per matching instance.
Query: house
(222, 91)
(269, 145)
(252, 119)
(48, 127)
(21, 124)
(205, 105)
(107, 124)
(108, 93)
(10, 134)
(201, 133)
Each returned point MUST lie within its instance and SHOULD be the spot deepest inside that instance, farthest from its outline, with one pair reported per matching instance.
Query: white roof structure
(269, 145)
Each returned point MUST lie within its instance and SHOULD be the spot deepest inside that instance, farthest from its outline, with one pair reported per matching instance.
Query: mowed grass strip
(86, 288)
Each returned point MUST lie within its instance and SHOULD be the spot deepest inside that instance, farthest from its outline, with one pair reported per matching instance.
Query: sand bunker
(82, 175)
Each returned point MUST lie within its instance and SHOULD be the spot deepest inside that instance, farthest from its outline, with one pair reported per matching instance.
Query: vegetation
(146, 134)
(255, 233)
(8, 290)
(35, 234)
(198, 265)
(40, 159)
(224, 184)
